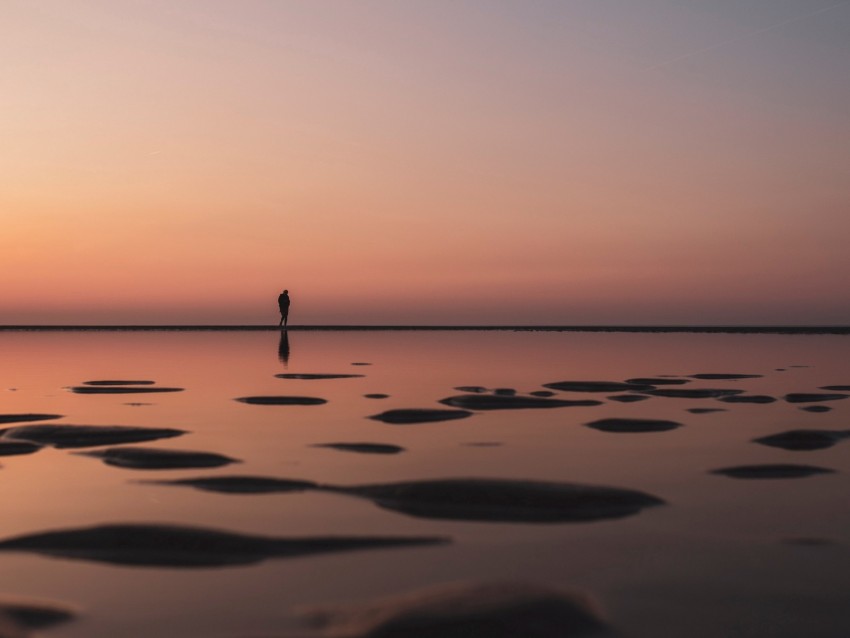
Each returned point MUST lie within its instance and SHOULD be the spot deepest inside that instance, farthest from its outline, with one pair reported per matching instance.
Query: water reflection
(283, 348)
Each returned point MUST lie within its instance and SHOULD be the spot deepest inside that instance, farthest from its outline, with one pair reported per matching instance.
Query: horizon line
(744, 328)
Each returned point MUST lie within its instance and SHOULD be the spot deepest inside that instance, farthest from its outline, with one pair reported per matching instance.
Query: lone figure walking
(283, 304)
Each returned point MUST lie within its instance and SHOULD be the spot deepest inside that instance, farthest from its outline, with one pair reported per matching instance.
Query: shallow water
(724, 556)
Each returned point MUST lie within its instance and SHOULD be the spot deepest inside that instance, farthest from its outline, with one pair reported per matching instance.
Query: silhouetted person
(283, 348)
(283, 304)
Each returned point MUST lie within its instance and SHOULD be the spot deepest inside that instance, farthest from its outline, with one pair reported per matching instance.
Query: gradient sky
(429, 161)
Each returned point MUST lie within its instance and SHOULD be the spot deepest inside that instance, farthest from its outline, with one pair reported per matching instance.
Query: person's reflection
(283, 348)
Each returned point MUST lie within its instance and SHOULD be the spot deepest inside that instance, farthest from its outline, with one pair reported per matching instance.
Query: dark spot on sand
(705, 410)
(75, 436)
(118, 382)
(780, 369)
(364, 448)
(313, 377)
(240, 484)
(772, 471)
(816, 408)
(627, 398)
(404, 416)
(838, 388)
(633, 425)
(804, 440)
(537, 393)
(466, 610)
(178, 546)
(495, 402)
(31, 615)
(361, 363)
(598, 386)
(720, 376)
(693, 393)
(19, 418)
(282, 400)
(15, 448)
(657, 381)
(471, 388)
(748, 398)
(811, 397)
(136, 404)
(376, 395)
(142, 458)
(121, 389)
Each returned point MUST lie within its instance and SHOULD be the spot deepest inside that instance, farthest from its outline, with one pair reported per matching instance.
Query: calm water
(714, 561)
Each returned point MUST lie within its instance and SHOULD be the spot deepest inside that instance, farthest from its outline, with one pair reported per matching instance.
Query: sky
(534, 162)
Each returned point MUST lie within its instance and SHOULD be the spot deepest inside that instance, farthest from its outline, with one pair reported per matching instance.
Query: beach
(234, 482)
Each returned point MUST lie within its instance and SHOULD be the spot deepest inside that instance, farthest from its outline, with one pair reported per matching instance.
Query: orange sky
(482, 161)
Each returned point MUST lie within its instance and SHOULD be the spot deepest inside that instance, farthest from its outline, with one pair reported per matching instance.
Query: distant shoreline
(338, 328)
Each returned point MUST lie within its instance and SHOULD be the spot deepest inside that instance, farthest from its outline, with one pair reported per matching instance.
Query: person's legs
(285, 318)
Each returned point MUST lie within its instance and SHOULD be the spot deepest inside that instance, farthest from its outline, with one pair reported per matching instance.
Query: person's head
(285, 292)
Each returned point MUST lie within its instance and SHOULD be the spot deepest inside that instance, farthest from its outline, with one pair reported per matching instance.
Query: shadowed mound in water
(465, 610)
(493, 500)
(377, 395)
(364, 448)
(816, 408)
(25, 616)
(658, 381)
(633, 425)
(118, 382)
(693, 393)
(75, 436)
(772, 471)
(717, 377)
(314, 377)
(509, 402)
(838, 388)
(142, 458)
(282, 400)
(477, 389)
(20, 418)
(598, 386)
(177, 546)
(705, 410)
(811, 397)
(627, 398)
(748, 398)
(538, 393)
(13, 448)
(419, 415)
(121, 389)
(804, 440)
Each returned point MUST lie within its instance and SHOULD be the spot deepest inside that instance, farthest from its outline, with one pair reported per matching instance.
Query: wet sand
(539, 482)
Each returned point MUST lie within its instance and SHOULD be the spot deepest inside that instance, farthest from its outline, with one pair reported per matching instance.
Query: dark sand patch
(811, 397)
(537, 393)
(658, 381)
(816, 408)
(405, 416)
(772, 471)
(705, 410)
(118, 382)
(178, 546)
(694, 393)
(633, 425)
(627, 398)
(837, 388)
(712, 376)
(496, 402)
(137, 404)
(142, 458)
(314, 377)
(597, 386)
(465, 610)
(76, 436)
(477, 389)
(16, 448)
(22, 418)
(500, 500)
(804, 440)
(361, 363)
(121, 389)
(363, 448)
(240, 484)
(504, 392)
(376, 395)
(27, 615)
(281, 400)
(748, 398)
